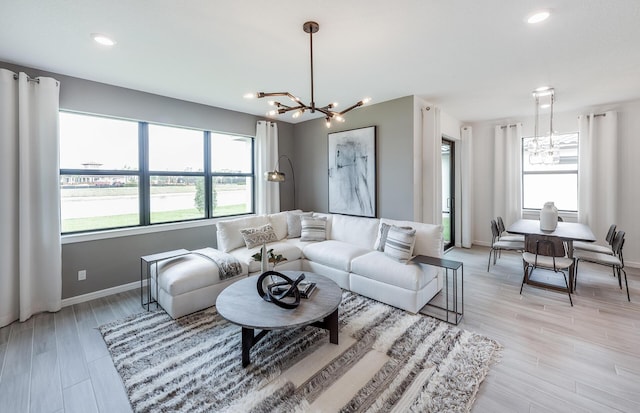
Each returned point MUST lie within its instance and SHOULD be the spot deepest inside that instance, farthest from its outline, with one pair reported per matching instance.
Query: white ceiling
(477, 60)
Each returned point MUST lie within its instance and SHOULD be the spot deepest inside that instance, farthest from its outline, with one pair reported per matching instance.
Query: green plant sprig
(274, 259)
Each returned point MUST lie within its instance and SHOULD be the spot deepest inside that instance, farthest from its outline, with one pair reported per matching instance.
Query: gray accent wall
(116, 261)
(394, 152)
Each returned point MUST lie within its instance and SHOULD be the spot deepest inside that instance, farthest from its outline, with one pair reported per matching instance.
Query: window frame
(523, 173)
(144, 174)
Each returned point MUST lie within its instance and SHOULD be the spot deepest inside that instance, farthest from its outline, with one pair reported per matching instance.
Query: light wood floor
(556, 358)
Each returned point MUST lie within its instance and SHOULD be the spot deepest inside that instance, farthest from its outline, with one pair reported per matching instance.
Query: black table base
(250, 339)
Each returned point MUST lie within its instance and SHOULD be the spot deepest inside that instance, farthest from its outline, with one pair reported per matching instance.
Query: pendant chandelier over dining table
(298, 108)
(543, 149)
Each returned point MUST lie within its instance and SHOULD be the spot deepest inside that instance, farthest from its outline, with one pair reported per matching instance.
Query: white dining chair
(547, 253)
(507, 237)
(593, 247)
(615, 261)
(498, 244)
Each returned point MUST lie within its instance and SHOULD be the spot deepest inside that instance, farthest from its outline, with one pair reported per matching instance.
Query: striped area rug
(387, 360)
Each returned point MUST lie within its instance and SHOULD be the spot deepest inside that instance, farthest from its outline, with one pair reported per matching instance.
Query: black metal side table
(145, 271)
(454, 310)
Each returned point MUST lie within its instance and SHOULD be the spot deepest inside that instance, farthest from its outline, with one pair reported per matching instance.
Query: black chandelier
(298, 107)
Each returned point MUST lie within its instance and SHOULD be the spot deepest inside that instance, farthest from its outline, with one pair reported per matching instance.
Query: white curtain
(466, 182)
(598, 171)
(507, 182)
(30, 248)
(267, 193)
(432, 166)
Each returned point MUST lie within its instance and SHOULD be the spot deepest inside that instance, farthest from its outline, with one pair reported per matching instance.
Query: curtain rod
(37, 80)
(595, 115)
(512, 125)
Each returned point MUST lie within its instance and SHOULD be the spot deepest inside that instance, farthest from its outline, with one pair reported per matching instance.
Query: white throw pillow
(399, 243)
(313, 229)
(228, 232)
(258, 236)
(279, 223)
(294, 225)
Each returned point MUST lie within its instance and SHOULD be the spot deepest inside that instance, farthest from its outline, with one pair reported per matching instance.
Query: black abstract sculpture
(283, 291)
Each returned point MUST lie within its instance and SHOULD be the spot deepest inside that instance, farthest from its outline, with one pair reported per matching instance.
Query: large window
(232, 174)
(552, 182)
(176, 170)
(118, 173)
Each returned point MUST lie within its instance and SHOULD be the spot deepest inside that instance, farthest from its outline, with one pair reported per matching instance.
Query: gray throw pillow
(384, 231)
(294, 225)
(399, 243)
(313, 229)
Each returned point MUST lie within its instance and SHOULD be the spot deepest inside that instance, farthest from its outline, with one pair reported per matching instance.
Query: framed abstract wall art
(352, 172)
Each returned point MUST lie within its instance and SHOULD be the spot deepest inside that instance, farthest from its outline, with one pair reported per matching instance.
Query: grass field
(127, 220)
(446, 231)
(122, 191)
(133, 190)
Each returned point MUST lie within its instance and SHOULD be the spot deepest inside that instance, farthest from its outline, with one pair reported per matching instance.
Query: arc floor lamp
(277, 176)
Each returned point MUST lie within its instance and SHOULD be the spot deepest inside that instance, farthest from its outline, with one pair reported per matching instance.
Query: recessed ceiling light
(103, 39)
(538, 17)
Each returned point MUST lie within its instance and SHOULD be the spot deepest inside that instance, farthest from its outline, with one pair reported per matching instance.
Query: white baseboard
(102, 293)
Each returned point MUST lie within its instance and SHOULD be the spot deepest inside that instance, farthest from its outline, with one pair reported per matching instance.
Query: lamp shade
(274, 176)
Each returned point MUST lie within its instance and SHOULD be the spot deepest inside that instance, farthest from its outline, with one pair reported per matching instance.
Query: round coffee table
(240, 304)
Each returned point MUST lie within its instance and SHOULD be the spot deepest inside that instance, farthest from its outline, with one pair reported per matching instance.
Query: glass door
(448, 191)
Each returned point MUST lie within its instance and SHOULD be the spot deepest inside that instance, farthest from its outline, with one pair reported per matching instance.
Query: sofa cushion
(399, 243)
(189, 272)
(290, 251)
(377, 266)
(355, 230)
(335, 254)
(428, 237)
(258, 236)
(279, 223)
(298, 243)
(228, 232)
(294, 224)
(314, 229)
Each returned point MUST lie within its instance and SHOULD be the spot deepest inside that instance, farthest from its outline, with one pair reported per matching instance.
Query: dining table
(567, 231)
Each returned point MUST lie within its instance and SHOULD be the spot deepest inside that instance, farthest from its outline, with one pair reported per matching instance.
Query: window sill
(569, 216)
(127, 232)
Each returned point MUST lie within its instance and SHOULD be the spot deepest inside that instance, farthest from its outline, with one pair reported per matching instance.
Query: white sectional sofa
(349, 256)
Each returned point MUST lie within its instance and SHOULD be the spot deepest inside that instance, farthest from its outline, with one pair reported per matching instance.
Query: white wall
(628, 170)
(450, 126)
(425, 149)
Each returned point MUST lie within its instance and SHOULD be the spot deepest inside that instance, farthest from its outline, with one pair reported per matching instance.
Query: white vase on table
(264, 263)
(548, 217)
